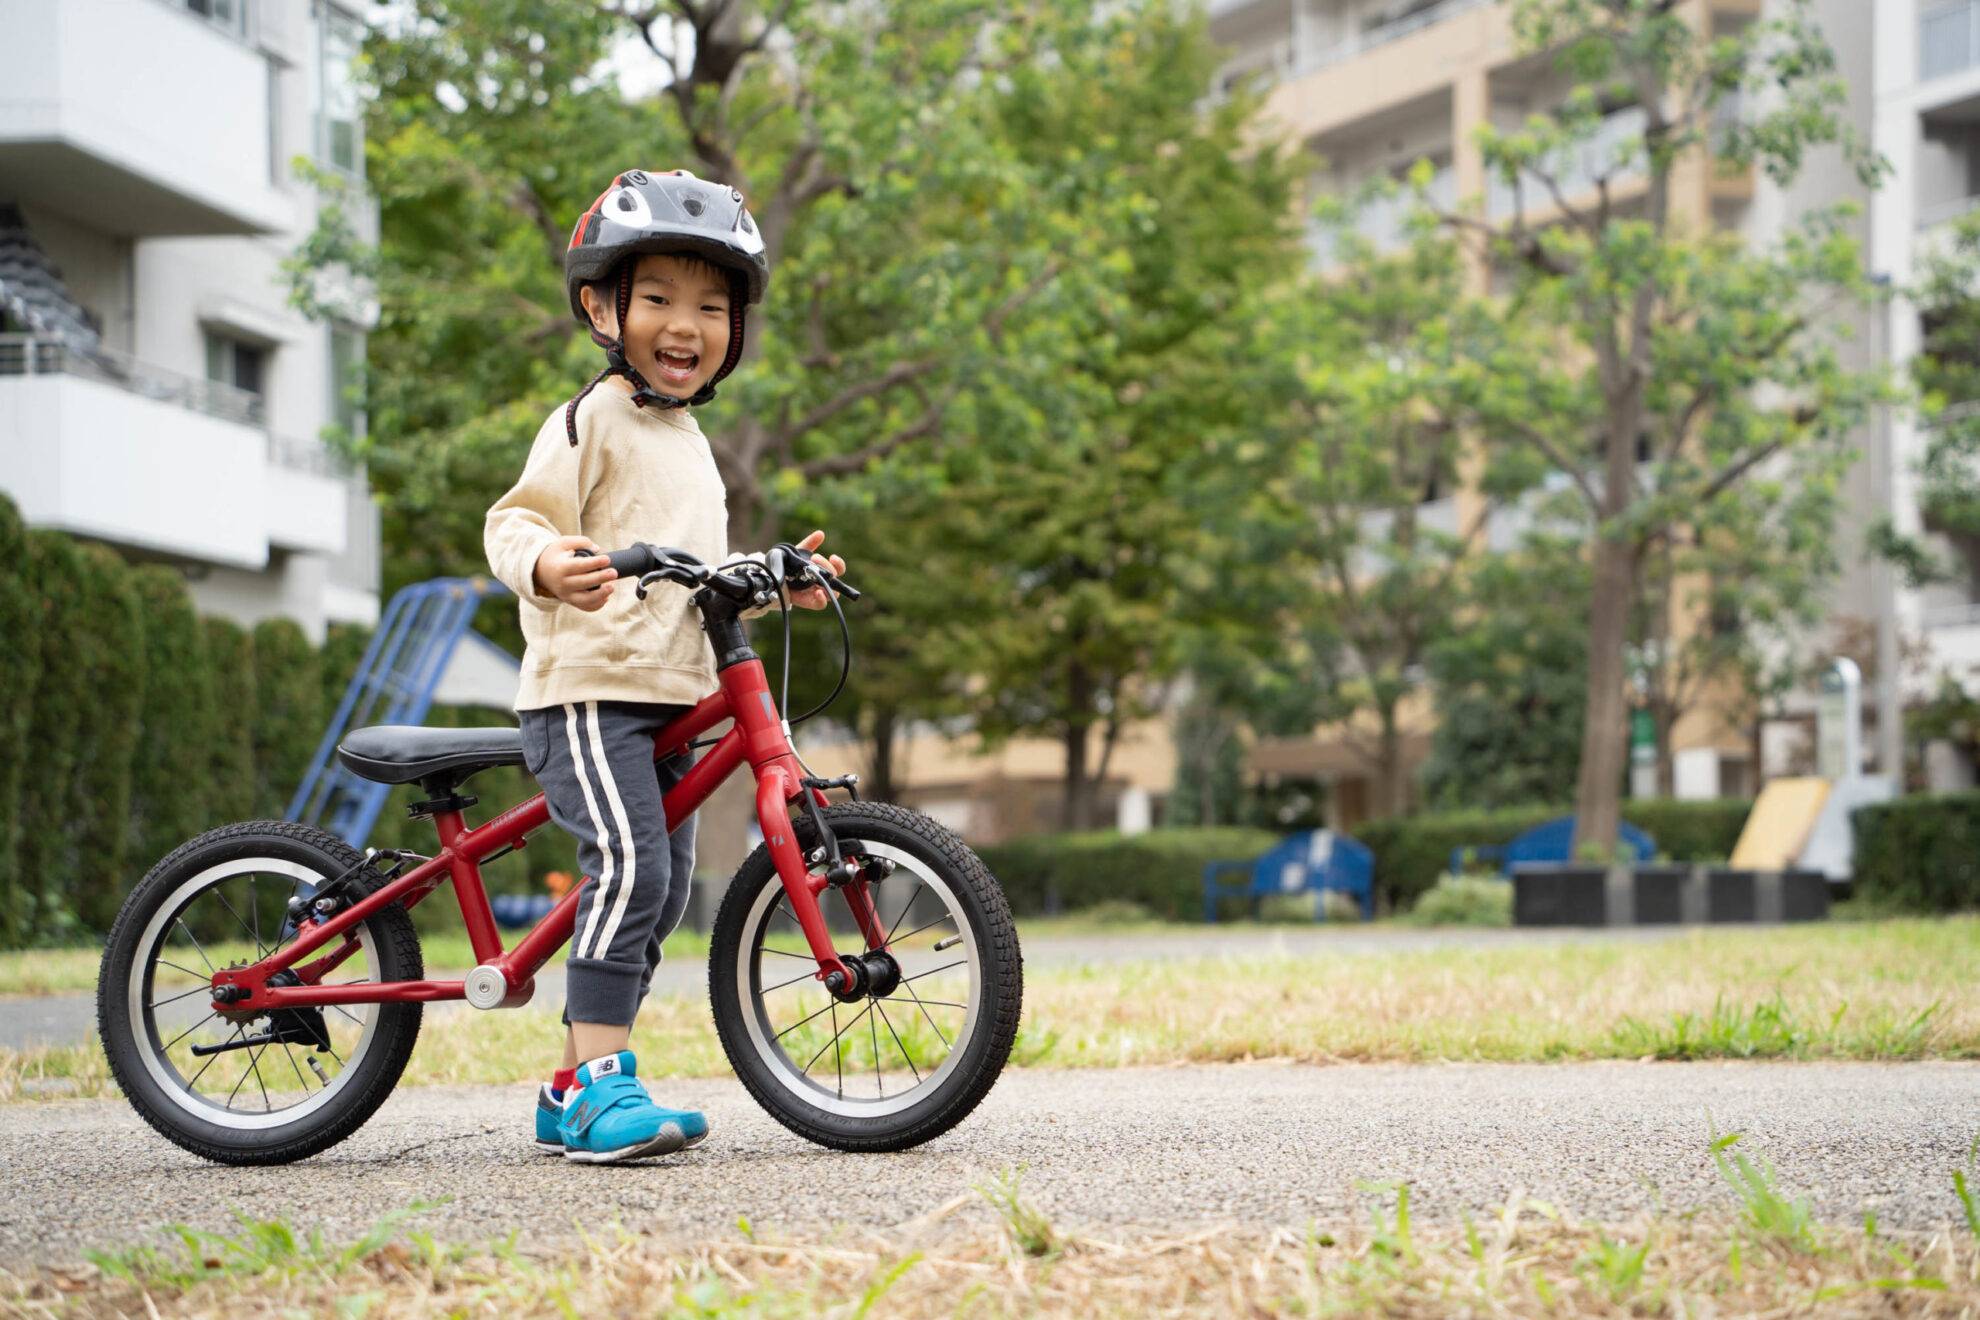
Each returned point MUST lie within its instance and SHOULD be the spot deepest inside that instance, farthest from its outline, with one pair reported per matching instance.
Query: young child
(660, 269)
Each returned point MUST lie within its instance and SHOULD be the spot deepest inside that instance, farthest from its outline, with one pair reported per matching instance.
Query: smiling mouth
(677, 364)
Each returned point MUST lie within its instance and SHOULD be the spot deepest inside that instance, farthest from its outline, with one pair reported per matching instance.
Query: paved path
(65, 1019)
(1155, 1149)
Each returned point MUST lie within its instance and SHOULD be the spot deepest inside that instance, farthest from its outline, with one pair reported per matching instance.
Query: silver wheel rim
(880, 1019)
(154, 1049)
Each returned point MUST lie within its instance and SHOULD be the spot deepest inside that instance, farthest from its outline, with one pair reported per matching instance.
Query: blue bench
(1551, 842)
(1312, 861)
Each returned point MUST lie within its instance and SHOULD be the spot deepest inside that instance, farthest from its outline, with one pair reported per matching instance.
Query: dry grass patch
(1526, 1259)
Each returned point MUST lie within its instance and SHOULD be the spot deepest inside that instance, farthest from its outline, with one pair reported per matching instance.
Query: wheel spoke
(941, 1003)
(931, 971)
(873, 1034)
(919, 885)
(203, 976)
(254, 910)
(347, 1013)
(795, 1025)
(802, 957)
(237, 917)
(236, 1091)
(181, 921)
(930, 1016)
(196, 990)
(806, 976)
(882, 1009)
(254, 1062)
(290, 1055)
(188, 1031)
(939, 921)
(210, 1061)
(838, 1055)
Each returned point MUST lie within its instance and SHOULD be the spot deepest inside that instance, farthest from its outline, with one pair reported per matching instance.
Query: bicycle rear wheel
(250, 1087)
(908, 1061)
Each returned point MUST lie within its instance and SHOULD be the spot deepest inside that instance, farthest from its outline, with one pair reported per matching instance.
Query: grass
(1865, 990)
(990, 1253)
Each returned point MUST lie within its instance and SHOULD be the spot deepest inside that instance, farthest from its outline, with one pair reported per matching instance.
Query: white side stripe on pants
(597, 825)
(629, 863)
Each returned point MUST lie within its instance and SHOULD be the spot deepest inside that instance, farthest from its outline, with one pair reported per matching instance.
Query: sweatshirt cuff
(524, 584)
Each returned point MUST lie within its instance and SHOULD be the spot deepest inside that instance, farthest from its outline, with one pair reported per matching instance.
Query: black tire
(957, 884)
(127, 1014)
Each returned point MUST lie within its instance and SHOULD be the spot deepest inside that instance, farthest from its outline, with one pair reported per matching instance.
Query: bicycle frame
(758, 737)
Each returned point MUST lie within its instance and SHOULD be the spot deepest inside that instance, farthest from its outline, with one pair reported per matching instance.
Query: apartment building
(1368, 87)
(157, 390)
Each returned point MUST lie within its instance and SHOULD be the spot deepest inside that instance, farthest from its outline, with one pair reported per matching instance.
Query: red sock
(563, 1079)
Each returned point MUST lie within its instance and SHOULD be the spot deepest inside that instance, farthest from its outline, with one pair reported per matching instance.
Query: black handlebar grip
(632, 561)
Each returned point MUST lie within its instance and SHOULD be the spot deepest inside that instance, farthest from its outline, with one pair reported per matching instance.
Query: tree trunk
(1391, 775)
(1605, 725)
(1079, 719)
(880, 755)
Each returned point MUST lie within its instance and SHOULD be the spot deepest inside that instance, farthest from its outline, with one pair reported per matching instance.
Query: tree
(57, 578)
(1705, 374)
(168, 763)
(106, 735)
(289, 713)
(231, 699)
(20, 673)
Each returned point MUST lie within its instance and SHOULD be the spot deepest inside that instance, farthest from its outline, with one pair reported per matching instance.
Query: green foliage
(20, 672)
(1764, 1207)
(106, 737)
(1464, 900)
(57, 575)
(1920, 853)
(168, 765)
(1946, 376)
(1161, 870)
(1413, 852)
(1512, 683)
(289, 713)
(232, 703)
(1773, 1029)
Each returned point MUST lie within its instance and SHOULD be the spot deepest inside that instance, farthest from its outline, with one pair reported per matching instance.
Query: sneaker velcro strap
(599, 1099)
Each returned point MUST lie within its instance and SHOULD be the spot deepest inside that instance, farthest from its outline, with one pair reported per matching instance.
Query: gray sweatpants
(595, 763)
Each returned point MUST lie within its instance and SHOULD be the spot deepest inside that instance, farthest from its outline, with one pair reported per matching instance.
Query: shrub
(167, 799)
(106, 736)
(1411, 852)
(289, 713)
(1919, 853)
(56, 574)
(1464, 900)
(20, 670)
(1161, 870)
(231, 699)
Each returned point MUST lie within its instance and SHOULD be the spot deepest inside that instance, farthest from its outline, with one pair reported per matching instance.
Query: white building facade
(157, 390)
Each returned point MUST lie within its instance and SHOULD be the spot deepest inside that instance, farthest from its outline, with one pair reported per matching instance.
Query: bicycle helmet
(671, 212)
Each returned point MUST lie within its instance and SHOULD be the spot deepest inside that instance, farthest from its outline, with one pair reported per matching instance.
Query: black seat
(408, 753)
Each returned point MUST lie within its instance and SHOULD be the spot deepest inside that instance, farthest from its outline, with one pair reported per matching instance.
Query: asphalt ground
(66, 1019)
(1123, 1150)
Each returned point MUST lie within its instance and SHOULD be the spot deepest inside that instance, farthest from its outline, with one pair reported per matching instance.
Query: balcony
(1615, 150)
(1384, 221)
(138, 117)
(1948, 38)
(1305, 62)
(102, 445)
(1952, 634)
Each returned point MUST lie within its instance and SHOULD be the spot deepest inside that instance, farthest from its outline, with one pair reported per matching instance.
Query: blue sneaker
(611, 1118)
(549, 1112)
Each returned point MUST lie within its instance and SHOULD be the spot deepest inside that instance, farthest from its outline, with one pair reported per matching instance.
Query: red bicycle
(262, 988)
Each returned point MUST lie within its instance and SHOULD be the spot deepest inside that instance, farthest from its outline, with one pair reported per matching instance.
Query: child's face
(677, 328)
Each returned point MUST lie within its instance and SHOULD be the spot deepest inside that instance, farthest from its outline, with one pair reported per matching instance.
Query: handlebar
(785, 563)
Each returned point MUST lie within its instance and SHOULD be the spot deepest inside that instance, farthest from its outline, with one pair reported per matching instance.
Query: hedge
(58, 578)
(231, 707)
(1412, 851)
(290, 712)
(106, 739)
(1161, 870)
(1920, 853)
(20, 671)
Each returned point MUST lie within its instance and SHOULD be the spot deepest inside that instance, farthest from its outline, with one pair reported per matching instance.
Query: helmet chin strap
(644, 395)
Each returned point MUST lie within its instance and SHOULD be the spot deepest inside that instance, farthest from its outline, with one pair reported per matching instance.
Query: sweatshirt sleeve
(543, 505)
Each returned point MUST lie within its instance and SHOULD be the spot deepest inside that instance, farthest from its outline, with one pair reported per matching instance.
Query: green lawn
(1897, 989)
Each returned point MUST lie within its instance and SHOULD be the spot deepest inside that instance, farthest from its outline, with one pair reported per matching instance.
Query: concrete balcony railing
(1577, 169)
(102, 445)
(142, 118)
(1311, 61)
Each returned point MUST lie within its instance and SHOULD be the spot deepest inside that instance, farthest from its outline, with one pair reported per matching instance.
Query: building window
(339, 114)
(229, 15)
(231, 362)
(347, 378)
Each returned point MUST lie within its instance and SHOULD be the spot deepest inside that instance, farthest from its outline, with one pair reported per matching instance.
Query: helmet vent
(693, 205)
(749, 226)
(626, 202)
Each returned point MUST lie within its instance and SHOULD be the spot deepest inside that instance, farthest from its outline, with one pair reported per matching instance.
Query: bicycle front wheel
(907, 1061)
(250, 1087)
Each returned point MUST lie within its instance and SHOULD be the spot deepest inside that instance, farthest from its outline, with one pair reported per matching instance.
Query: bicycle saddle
(408, 753)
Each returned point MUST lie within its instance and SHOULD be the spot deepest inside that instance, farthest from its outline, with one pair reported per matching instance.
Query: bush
(289, 713)
(1919, 853)
(1162, 870)
(106, 737)
(20, 670)
(56, 573)
(167, 793)
(1464, 900)
(231, 703)
(1411, 852)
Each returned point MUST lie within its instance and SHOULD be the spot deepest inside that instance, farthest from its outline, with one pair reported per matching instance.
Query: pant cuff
(603, 992)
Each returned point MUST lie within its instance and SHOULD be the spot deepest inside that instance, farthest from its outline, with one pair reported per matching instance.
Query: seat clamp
(435, 806)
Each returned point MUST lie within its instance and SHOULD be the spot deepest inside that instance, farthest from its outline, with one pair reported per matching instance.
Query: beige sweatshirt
(636, 474)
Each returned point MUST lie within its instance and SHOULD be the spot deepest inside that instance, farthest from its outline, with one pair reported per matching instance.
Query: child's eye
(656, 299)
(713, 307)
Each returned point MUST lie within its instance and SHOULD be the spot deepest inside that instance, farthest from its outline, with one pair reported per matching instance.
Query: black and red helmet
(671, 212)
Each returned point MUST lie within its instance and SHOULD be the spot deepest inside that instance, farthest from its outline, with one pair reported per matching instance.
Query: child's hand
(567, 571)
(814, 598)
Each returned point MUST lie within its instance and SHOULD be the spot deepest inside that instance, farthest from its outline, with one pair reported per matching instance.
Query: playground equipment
(1312, 861)
(1550, 842)
(415, 654)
